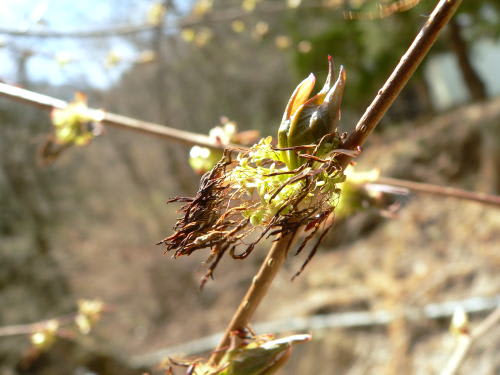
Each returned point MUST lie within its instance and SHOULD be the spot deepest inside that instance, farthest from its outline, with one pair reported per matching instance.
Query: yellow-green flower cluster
(43, 337)
(353, 193)
(89, 312)
(75, 124)
(202, 159)
(261, 172)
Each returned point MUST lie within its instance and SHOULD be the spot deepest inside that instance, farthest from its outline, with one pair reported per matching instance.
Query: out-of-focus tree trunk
(175, 154)
(140, 182)
(460, 48)
(424, 96)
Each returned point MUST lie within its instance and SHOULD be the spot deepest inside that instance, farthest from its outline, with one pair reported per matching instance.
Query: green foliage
(482, 18)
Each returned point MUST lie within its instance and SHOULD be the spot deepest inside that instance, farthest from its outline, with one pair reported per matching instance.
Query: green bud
(307, 120)
(260, 358)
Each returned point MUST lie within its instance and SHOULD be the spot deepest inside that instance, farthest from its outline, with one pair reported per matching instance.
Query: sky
(89, 55)
(89, 68)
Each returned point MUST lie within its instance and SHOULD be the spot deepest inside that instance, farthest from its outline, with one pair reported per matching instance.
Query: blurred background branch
(357, 319)
(87, 225)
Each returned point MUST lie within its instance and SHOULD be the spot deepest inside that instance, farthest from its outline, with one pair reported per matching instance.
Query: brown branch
(445, 191)
(467, 339)
(400, 76)
(255, 294)
(114, 120)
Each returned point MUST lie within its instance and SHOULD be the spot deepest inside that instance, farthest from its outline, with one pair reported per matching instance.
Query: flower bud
(459, 322)
(307, 120)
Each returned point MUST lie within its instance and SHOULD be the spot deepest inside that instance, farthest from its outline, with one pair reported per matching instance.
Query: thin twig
(99, 33)
(466, 340)
(258, 289)
(29, 328)
(400, 76)
(445, 191)
(114, 120)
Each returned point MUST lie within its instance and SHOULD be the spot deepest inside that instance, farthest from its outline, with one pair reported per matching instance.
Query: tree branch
(400, 76)
(29, 328)
(114, 120)
(188, 138)
(445, 191)
(256, 293)
(110, 32)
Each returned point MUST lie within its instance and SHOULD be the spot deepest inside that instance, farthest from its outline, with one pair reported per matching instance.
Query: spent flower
(267, 190)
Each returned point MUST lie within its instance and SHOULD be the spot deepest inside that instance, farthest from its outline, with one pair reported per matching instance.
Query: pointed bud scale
(333, 99)
(307, 120)
(329, 79)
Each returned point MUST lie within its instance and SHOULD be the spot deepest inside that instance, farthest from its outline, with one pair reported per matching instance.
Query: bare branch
(256, 293)
(29, 328)
(110, 32)
(220, 16)
(445, 191)
(114, 120)
(127, 123)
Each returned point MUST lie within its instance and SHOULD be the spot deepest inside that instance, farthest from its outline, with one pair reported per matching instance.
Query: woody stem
(255, 293)
(400, 76)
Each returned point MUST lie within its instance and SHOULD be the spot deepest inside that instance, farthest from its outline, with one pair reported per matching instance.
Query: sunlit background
(85, 226)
